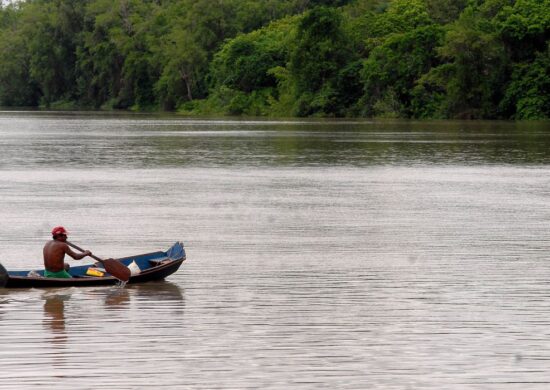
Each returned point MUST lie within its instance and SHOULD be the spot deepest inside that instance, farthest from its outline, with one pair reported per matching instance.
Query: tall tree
(320, 52)
(392, 70)
(16, 86)
(478, 67)
(52, 31)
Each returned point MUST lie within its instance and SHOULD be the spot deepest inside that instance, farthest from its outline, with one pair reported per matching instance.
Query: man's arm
(74, 255)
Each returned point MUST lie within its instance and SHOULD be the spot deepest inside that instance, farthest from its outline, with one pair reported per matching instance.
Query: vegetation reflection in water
(98, 140)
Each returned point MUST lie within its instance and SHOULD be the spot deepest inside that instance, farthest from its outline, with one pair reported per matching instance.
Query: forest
(422, 59)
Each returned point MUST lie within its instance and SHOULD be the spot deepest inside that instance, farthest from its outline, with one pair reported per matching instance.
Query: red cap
(58, 230)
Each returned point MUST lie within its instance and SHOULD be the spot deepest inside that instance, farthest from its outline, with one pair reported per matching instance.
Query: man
(54, 254)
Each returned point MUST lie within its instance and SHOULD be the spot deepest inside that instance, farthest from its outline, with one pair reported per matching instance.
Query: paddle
(3, 276)
(115, 268)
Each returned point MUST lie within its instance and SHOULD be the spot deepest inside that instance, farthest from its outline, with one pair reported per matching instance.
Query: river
(321, 254)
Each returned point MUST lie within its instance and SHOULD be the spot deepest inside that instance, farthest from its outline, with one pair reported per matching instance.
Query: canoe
(150, 266)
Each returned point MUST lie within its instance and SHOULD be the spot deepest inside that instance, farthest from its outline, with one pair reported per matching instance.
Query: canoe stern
(3, 276)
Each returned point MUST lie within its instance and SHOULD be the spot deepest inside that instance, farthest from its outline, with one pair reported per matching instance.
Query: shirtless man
(54, 254)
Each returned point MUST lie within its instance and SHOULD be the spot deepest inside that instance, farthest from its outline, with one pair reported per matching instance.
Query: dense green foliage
(340, 58)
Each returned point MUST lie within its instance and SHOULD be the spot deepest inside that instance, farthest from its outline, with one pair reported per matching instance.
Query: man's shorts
(59, 274)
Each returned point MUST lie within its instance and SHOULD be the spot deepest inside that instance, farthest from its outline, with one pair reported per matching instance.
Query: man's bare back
(54, 254)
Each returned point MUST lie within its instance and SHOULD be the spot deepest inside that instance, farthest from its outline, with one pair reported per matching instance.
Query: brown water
(321, 254)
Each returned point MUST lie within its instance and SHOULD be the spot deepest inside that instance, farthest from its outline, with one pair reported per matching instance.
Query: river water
(321, 254)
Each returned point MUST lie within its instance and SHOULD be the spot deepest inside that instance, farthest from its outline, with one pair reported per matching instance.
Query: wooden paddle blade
(117, 269)
(3, 276)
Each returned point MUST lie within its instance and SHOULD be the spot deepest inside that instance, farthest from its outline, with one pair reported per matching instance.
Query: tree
(445, 11)
(115, 58)
(16, 86)
(528, 94)
(184, 61)
(243, 63)
(478, 67)
(51, 30)
(320, 52)
(100, 57)
(524, 27)
(391, 70)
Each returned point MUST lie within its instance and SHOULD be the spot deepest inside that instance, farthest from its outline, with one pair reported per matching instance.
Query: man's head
(59, 233)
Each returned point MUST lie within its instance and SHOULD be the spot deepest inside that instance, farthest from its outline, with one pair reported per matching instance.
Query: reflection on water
(29, 141)
(109, 321)
(321, 254)
(54, 316)
(117, 298)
